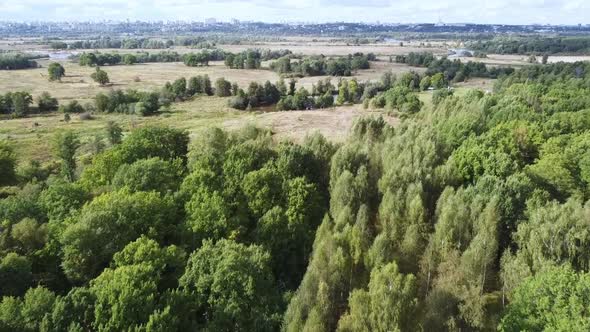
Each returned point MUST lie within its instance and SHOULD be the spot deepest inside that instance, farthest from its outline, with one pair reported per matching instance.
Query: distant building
(210, 21)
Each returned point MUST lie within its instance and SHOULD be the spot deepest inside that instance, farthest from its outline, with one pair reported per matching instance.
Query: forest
(470, 215)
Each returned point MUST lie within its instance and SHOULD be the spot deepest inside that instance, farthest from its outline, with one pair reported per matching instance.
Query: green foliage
(114, 133)
(47, 103)
(62, 199)
(107, 224)
(150, 174)
(388, 305)
(65, 145)
(15, 275)
(55, 71)
(215, 271)
(7, 164)
(100, 76)
(553, 300)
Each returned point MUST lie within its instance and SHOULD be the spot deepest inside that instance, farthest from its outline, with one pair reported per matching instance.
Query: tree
(15, 275)
(114, 133)
(100, 76)
(21, 102)
(56, 71)
(7, 164)
(437, 81)
(125, 297)
(291, 91)
(47, 103)
(179, 87)
(37, 302)
(65, 144)
(343, 93)
(71, 107)
(129, 59)
(215, 271)
(62, 199)
(425, 83)
(389, 304)
(150, 174)
(553, 300)
(110, 222)
(73, 311)
(222, 88)
(29, 234)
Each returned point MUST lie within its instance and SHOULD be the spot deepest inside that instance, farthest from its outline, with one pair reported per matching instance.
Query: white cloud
(483, 11)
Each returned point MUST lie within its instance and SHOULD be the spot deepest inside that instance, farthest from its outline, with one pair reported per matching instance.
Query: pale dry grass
(333, 123)
(32, 136)
(78, 85)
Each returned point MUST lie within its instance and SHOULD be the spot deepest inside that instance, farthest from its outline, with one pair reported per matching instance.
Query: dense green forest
(471, 215)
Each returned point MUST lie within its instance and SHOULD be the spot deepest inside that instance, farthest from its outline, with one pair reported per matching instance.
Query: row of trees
(12, 61)
(107, 42)
(102, 59)
(534, 45)
(320, 65)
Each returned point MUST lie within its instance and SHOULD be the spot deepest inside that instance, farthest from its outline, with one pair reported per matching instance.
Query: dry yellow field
(150, 76)
(78, 85)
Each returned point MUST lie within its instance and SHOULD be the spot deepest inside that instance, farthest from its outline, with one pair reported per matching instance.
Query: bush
(47, 103)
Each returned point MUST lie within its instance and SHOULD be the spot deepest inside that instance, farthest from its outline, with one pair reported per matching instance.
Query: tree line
(534, 45)
(13, 61)
(103, 59)
(107, 42)
(320, 65)
(453, 70)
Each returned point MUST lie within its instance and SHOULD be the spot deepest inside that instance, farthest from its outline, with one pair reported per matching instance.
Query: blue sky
(477, 11)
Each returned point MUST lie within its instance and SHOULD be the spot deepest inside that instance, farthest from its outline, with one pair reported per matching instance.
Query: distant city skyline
(555, 12)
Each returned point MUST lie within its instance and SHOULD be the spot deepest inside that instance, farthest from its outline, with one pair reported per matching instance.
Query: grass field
(78, 85)
(32, 136)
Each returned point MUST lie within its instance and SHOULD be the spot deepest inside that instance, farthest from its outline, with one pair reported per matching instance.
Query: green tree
(390, 304)
(15, 275)
(56, 71)
(114, 133)
(125, 297)
(21, 102)
(215, 271)
(222, 88)
(62, 199)
(150, 174)
(437, 81)
(7, 164)
(100, 76)
(65, 144)
(553, 300)
(47, 103)
(129, 59)
(107, 224)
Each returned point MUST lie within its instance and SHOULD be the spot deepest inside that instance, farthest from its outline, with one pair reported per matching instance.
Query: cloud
(483, 11)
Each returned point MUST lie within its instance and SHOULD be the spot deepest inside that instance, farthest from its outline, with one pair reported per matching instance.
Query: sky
(388, 11)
